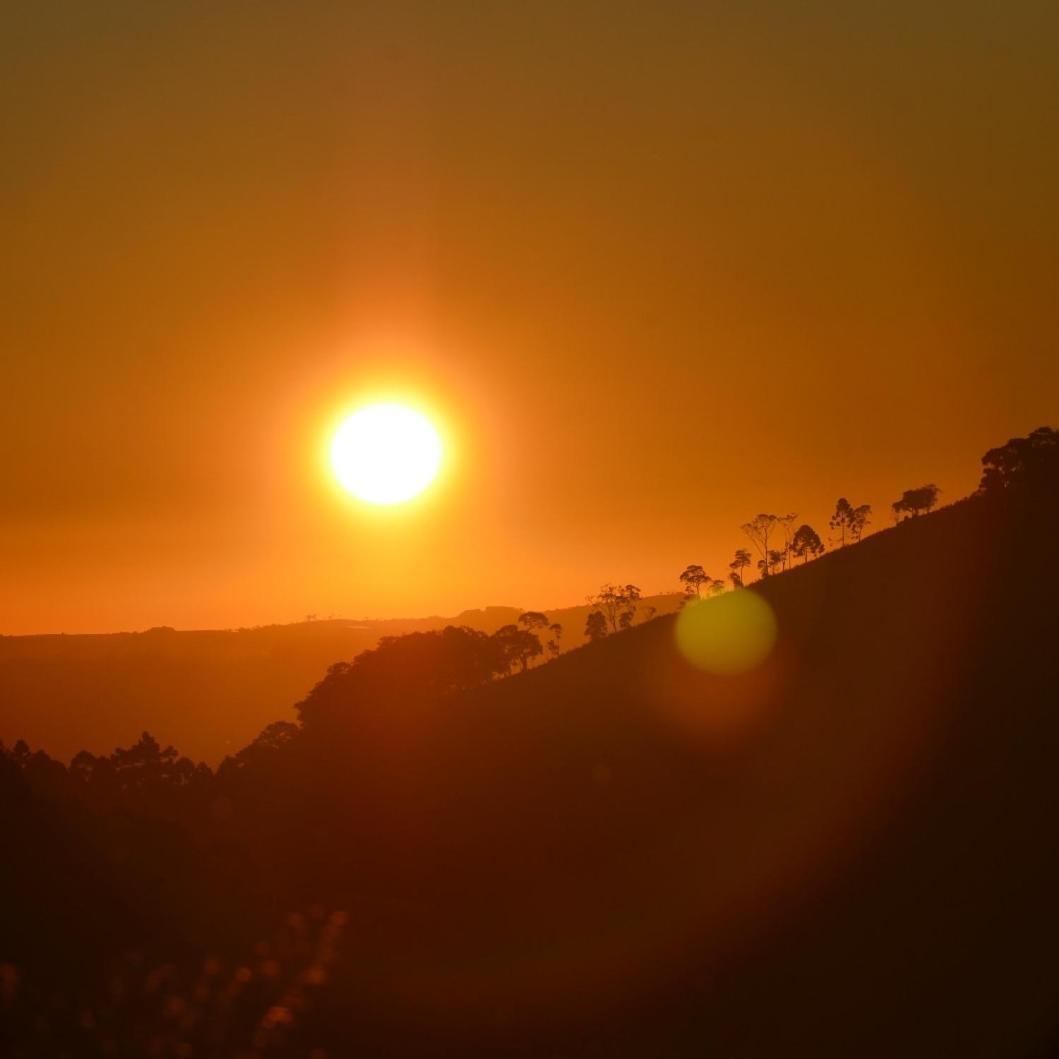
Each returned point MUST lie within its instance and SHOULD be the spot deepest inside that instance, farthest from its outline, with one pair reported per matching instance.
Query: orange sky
(656, 267)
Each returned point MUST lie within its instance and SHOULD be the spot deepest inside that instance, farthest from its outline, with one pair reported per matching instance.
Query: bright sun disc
(386, 453)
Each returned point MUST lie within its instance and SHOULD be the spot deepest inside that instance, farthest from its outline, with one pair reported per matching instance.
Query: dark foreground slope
(850, 851)
(854, 851)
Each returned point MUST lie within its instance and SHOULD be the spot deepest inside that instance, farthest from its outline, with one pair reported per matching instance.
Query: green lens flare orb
(728, 634)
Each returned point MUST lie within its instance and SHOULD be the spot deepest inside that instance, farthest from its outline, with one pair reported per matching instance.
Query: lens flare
(727, 635)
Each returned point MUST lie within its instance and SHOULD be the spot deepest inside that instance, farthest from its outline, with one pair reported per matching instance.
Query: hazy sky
(655, 266)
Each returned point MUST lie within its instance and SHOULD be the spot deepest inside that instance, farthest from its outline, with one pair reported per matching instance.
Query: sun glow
(386, 453)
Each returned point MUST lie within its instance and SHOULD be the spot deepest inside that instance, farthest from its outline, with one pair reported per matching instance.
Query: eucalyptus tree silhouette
(595, 626)
(760, 530)
(533, 620)
(517, 646)
(786, 524)
(769, 562)
(738, 565)
(693, 578)
(849, 520)
(806, 543)
(617, 604)
(554, 645)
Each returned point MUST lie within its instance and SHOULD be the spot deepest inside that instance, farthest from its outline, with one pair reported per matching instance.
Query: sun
(386, 453)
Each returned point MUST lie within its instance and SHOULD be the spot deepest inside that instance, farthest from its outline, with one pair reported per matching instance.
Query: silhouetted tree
(915, 502)
(806, 543)
(517, 646)
(145, 764)
(840, 520)
(693, 578)
(861, 520)
(1032, 462)
(849, 520)
(739, 564)
(533, 620)
(430, 664)
(271, 741)
(760, 529)
(617, 604)
(595, 626)
(770, 562)
(786, 525)
(43, 773)
(84, 767)
(553, 646)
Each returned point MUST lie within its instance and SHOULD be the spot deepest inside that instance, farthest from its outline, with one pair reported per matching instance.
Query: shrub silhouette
(915, 502)
(422, 664)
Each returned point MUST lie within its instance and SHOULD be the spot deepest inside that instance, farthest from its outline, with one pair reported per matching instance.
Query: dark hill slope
(849, 852)
(852, 851)
(208, 692)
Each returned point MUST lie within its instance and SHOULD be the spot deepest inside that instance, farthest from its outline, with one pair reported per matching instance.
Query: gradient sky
(655, 267)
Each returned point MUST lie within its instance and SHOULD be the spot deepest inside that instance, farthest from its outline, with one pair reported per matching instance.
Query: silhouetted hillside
(845, 852)
(208, 691)
(849, 850)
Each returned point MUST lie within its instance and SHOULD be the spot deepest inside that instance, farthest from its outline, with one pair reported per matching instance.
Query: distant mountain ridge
(206, 691)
